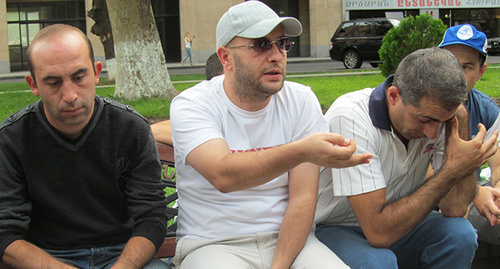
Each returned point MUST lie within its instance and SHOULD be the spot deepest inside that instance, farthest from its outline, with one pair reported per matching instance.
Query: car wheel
(352, 59)
(374, 64)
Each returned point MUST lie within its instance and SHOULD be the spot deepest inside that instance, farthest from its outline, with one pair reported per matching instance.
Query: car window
(382, 27)
(346, 29)
(363, 28)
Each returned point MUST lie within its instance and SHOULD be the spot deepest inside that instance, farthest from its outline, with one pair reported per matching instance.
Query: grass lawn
(14, 96)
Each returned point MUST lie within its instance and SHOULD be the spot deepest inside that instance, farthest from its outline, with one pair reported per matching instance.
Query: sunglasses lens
(285, 44)
(261, 46)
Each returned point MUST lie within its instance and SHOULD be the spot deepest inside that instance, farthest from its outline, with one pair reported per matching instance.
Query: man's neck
(245, 102)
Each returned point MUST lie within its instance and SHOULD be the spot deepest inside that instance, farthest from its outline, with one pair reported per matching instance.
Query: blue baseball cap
(465, 34)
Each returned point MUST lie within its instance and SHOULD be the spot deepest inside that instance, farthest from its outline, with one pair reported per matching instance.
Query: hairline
(51, 31)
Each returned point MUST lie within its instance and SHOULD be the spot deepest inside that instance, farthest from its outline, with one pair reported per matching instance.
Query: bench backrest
(167, 160)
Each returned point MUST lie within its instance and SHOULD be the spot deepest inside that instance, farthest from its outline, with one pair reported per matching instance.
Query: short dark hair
(56, 29)
(482, 59)
(431, 72)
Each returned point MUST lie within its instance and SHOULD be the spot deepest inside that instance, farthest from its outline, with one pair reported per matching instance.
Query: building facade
(20, 20)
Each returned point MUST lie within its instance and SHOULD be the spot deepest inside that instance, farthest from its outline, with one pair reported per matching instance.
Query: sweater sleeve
(145, 190)
(14, 207)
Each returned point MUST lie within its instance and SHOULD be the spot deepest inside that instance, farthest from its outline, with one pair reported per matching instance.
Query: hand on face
(464, 157)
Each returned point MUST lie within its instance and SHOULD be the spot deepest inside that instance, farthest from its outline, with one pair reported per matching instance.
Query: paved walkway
(170, 66)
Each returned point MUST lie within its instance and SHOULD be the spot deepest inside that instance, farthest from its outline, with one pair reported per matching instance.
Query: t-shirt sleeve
(192, 125)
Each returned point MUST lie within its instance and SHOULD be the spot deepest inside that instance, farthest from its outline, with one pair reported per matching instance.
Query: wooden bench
(166, 153)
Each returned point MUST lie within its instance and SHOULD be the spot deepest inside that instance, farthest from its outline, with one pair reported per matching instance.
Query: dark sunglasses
(262, 45)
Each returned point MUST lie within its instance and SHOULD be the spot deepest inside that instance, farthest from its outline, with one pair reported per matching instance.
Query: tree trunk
(102, 29)
(102, 26)
(141, 69)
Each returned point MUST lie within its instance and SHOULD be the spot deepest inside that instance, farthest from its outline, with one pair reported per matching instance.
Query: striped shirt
(363, 115)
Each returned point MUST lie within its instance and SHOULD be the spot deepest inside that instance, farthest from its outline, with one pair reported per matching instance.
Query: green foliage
(413, 33)
(327, 87)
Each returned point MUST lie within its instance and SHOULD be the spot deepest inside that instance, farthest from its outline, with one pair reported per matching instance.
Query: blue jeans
(188, 55)
(103, 257)
(437, 242)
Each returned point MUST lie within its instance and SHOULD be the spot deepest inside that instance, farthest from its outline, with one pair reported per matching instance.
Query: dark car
(359, 40)
(494, 46)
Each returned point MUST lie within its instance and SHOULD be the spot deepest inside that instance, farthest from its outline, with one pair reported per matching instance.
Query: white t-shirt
(204, 112)
(393, 167)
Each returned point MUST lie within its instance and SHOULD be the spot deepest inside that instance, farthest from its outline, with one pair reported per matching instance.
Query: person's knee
(379, 259)
(376, 258)
(156, 263)
(458, 237)
(212, 257)
(463, 235)
(354, 250)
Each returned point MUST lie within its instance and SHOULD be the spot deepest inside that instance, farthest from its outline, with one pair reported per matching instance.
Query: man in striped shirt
(381, 215)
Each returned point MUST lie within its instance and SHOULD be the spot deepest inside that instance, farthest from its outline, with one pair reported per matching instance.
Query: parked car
(359, 40)
(494, 46)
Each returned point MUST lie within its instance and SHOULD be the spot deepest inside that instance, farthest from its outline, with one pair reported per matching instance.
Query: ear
(481, 71)
(393, 95)
(98, 69)
(32, 83)
(224, 55)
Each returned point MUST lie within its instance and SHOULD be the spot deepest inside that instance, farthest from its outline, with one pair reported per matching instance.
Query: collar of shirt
(379, 114)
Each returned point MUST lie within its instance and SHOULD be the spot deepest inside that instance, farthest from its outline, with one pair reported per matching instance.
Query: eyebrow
(467, 63)
(81, 70)
(436, 120)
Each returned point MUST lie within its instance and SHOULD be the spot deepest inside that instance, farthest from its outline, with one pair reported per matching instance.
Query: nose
(431, 129)
(276, 54)
(69, 92)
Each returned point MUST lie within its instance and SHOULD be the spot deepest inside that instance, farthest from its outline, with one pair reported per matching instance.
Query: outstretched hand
(333, 151)
(465, 157)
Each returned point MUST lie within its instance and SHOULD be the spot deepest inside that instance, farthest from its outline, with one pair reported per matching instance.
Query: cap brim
(291, 25)
(461, 43)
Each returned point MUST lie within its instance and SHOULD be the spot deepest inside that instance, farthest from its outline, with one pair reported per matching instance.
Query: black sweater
(97, 190)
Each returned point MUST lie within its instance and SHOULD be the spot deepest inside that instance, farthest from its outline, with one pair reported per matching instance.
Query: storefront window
(25, 20)
(487, 20)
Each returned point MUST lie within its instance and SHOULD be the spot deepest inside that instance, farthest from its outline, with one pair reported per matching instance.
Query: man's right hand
(22, 254)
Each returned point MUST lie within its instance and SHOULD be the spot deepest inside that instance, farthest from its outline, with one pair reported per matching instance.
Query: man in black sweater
(79, 174)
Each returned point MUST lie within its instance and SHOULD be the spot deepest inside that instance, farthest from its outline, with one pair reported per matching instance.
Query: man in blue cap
(469, 47)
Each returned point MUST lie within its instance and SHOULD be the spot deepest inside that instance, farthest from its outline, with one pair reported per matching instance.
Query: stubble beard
(249, 86)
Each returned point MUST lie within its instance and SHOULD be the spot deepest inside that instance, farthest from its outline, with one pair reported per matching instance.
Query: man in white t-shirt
(248, 146)
(381, 215)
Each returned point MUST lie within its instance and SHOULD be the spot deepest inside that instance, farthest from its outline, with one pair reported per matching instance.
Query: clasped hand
(487, 203)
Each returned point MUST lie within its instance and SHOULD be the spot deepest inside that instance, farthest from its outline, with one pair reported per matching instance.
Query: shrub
(413, 33)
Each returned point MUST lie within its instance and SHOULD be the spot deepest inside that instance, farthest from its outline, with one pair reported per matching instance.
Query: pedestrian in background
(189, 43)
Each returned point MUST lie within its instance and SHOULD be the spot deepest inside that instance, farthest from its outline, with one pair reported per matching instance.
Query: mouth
(274, 74)
(73, 111)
